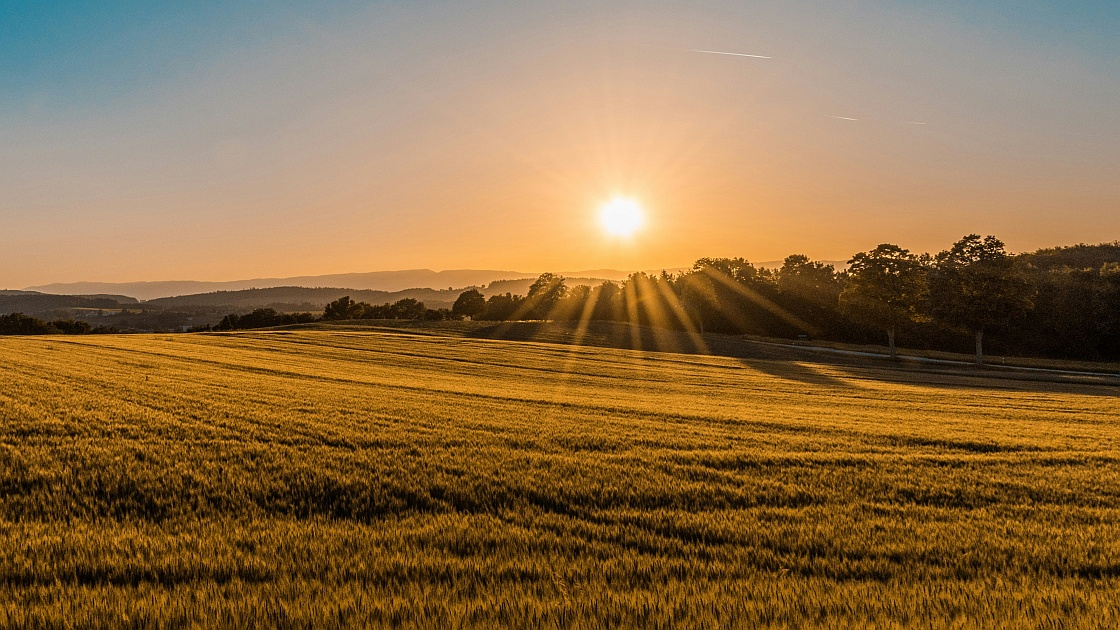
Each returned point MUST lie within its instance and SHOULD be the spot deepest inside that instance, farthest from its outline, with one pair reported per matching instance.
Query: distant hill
(386, 281)
(315, 298)
(373, 281)
(32, 303)
(296, 298)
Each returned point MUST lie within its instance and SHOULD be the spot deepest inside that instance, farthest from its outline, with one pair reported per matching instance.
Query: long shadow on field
(623, 336)
(597, 334)
(789, 362)
(794, 371)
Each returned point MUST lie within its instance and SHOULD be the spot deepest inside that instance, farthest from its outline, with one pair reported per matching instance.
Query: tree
(407, 308)
(502, 307)
(545, 292)
(72, 327)
(814, 282)
(575, 305)
(976, 285)
(343, 308)
(608, 302)
(262, 318)
(20, 324)
(719, 291)
(885, 288)
(1107, 313)
(471, 303)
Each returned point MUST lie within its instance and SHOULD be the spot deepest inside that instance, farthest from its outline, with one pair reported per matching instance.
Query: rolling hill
(387, 281)
(378, 478)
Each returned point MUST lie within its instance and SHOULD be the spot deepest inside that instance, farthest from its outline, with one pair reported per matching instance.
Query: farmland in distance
(353, 478)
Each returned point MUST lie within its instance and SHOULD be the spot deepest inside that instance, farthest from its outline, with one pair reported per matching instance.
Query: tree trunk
(890, 340)
(979, 347)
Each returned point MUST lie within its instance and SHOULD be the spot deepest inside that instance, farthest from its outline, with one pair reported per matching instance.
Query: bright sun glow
(621, 217)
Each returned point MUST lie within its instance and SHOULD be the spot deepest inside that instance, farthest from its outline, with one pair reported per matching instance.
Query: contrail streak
(914, 122)
(845, 118)
(720, 52)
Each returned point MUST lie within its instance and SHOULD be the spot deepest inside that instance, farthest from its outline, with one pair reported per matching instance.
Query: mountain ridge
(388, 281)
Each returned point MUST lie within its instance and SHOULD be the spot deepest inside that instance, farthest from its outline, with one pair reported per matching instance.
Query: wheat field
(333, 478)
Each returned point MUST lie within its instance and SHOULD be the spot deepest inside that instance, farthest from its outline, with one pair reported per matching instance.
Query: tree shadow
(797, 371)
(794, 363)
(972, 378)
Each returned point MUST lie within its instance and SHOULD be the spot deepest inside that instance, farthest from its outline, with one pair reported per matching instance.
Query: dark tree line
(20, 324)
(341, 309)
(1062, 302)
(262, 318)
(1059, 302)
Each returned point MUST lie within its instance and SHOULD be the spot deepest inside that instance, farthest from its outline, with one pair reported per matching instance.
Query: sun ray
(580, 333)
(679, 311)
(759, 299)
(630, 299)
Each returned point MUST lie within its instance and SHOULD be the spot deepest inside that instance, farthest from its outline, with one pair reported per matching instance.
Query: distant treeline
(20, 324)
(341, 309)
(1061, 302)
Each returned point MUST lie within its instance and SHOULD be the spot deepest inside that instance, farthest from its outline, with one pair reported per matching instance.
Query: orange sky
(487, 136)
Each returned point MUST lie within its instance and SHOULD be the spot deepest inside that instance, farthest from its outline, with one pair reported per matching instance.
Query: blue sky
(61, 47)
(75, 52)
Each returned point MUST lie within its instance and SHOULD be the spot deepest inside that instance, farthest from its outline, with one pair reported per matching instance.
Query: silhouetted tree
(72, 326)
(544, 294)
(471, 303)
(343, 308)
(732, 295)
(976, 285)
(262, 318)
(814, 282)
(696, 292)
(439, 314)
(407, 308)
(885, 288)
(574, 306)
(721, 288)
(502, 306)
(20, 324)
(1107, 315)
(607, 298)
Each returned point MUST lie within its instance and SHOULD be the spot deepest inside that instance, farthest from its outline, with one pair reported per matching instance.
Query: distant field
(338, 478)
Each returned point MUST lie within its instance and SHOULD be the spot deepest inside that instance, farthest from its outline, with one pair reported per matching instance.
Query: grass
(1108, 367)
(376, 477)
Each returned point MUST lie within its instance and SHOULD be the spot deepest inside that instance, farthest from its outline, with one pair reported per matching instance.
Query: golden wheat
(380, 478)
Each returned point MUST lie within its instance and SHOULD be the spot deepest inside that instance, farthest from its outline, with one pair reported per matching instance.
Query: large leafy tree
(814, 282)
(502, 307)
(719, 291)
(407, 308)
(471, 303)
(608, 302)
(885, 288)
(343, 308)
(738, 269)
(976, 285)
(1107, 313)
(544, 294)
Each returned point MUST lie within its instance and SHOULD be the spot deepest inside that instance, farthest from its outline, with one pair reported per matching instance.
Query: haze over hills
(373, 281)
(388, 281)
(34, 302)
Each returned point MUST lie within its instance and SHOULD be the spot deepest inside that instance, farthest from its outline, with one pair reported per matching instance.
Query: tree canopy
(885, 288)
(976, 284)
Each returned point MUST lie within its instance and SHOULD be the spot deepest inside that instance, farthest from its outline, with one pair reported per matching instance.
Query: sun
(621, 217)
